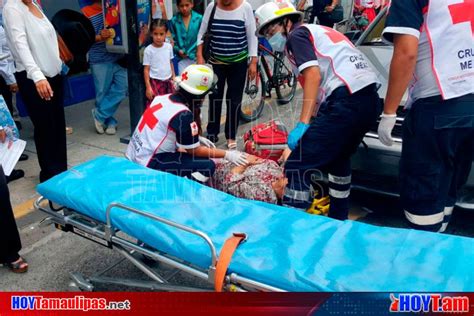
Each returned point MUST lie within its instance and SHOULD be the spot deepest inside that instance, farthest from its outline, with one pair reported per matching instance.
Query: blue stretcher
(184, 224)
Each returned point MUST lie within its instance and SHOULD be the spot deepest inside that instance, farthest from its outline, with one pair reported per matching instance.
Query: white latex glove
(385, 128)
(206, 142)
(236, 157)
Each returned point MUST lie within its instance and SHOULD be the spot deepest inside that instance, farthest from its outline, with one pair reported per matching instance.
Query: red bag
(266, 140)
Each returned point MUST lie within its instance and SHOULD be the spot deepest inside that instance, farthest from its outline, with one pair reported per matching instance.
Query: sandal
(232, 145)
(19, 266)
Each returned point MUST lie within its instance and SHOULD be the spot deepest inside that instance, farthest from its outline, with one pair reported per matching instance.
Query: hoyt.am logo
(435, 303)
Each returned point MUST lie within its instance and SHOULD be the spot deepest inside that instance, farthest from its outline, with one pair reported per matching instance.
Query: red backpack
(266, 140)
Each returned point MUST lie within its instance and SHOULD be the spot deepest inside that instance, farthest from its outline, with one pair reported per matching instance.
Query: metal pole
(136, 84)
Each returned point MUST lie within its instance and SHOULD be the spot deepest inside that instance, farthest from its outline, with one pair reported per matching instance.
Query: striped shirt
(98, 54)
(233, 33)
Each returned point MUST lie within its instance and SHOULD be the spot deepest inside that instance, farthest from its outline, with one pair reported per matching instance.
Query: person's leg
(215, 103)
(49, 125)
(318, 148)
(339, 177)
(103, 77)
(235, 90)
(328, 145)
(11, 243)
(461, 161)
(433, 133)
(115, 95)
(184, 165)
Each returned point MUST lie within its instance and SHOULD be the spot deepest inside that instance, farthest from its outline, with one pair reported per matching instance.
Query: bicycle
(256, 91)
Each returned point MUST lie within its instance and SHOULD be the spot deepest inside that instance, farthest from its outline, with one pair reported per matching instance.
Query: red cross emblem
(184, 76)
(149, 119)
(335, 36)
(463, 12)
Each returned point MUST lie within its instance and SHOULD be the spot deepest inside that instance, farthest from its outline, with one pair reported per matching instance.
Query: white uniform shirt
(440, 35)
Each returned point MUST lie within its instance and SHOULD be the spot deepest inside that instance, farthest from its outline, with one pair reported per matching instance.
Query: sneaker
(99, 127)
(111, 130)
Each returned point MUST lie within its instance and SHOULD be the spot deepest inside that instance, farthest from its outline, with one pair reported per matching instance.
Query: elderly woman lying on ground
(260, 180)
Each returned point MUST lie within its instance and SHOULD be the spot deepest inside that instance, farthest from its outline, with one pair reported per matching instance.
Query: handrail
(198, 233)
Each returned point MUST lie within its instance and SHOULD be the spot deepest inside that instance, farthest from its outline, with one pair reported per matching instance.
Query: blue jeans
(110, 81)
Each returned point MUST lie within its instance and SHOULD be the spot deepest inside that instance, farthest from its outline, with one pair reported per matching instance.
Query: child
(184, 28)
(157, 62)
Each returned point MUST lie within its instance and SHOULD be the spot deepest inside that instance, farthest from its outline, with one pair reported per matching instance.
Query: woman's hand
(13, 88)
(44, 90)
(3, 136)
(149, 93)
(252, 72)
(182, 54)
(330, 8)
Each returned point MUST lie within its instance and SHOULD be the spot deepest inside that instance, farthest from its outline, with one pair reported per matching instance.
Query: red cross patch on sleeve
(194, 129)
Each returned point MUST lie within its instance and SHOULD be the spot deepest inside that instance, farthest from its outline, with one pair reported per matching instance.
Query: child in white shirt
(157, 61)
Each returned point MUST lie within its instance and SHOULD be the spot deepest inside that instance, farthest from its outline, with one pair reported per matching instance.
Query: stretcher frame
(68, 220)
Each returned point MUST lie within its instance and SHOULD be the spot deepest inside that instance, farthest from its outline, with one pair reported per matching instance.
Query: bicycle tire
(253, 99)
(285, 80)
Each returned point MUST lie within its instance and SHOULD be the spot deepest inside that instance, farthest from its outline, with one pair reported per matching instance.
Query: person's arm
(402, 27)
(333, 5)
(202, 31)
(312, 80)
(252, 42)
(301, 5)
(301, 47)
(164, 15)
(104, 35)
(146, 74)
(402, 68)
(173, 73)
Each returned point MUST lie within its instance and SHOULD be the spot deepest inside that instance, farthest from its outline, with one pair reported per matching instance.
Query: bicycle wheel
(284, 80)
(253, 99)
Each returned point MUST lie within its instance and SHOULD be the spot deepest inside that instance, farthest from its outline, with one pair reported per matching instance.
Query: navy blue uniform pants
(184, 165)
(328, 145)
(437, 153)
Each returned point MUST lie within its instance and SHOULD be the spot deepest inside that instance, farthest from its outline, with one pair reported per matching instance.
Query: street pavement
(53, 255)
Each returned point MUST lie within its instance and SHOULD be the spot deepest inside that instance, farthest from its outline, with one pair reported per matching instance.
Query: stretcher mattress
(286, 248)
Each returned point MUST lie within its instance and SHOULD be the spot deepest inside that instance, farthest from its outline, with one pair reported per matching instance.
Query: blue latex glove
(296, 134)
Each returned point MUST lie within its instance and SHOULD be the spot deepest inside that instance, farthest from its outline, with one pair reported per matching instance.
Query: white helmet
(196, 79)
(271, 11)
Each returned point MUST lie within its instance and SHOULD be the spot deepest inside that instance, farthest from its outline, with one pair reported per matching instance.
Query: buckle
(242, 235)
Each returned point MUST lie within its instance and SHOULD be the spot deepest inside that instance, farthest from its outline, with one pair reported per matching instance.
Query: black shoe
(24, 157)
(213, 138)
(15, 175)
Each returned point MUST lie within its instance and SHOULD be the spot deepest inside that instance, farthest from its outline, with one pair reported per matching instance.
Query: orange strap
(225, 257)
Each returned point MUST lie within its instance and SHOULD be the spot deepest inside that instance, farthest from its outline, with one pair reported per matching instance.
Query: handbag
(206, 38)
(266, 140)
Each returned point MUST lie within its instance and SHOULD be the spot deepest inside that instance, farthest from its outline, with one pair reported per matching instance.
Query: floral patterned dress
(254, 183)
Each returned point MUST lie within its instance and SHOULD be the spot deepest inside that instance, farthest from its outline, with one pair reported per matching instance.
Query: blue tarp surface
(286, 248)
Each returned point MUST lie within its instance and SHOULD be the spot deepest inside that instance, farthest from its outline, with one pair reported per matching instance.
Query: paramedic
(167, 136)
(339, 86)
(433, 42)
